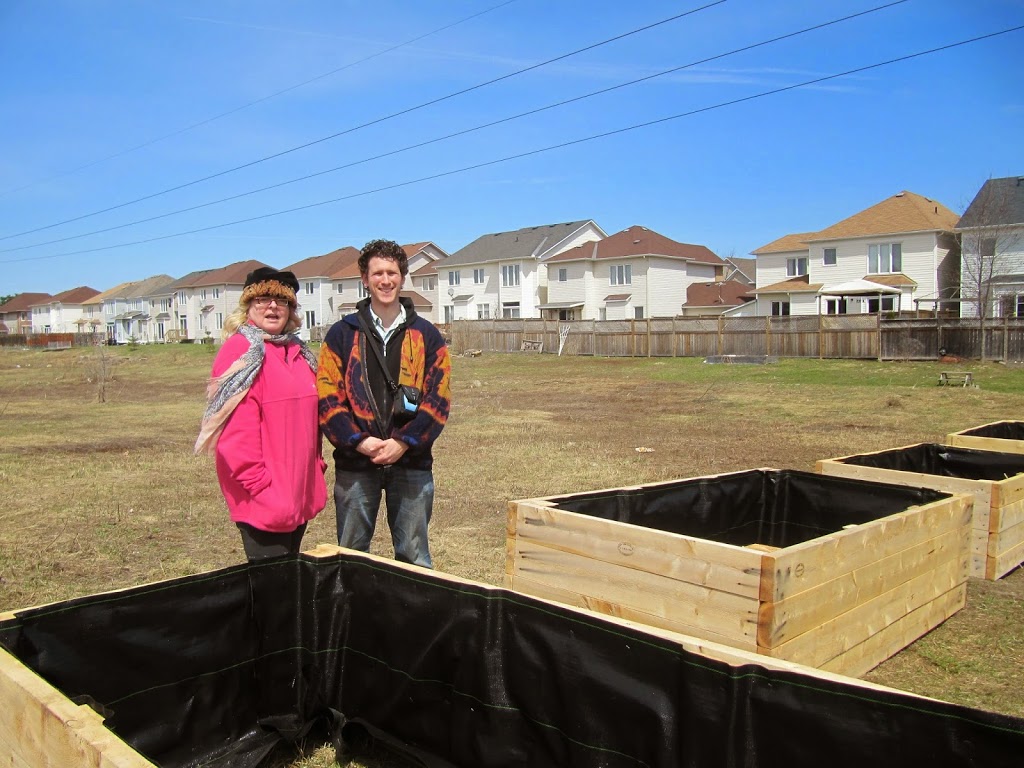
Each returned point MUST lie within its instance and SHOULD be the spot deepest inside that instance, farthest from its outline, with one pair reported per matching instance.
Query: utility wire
(260, 100)
(376, 121)
(463, 132)
(533, 152)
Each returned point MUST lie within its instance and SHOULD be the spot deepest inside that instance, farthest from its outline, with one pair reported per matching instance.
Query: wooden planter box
(1002, 436)
(832, 573)
(995, 479)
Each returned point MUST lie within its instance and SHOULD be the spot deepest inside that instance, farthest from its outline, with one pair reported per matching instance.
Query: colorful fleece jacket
(347, 405)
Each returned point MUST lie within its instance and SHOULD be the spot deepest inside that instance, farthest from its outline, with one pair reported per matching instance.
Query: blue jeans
(408, 498)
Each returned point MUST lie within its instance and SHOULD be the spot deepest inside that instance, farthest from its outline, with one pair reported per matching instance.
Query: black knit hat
(267, 281)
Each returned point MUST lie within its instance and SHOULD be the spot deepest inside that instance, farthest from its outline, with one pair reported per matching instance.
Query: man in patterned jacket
(380, 448)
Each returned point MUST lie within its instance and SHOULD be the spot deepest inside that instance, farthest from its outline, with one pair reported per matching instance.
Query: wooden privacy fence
(823, 336)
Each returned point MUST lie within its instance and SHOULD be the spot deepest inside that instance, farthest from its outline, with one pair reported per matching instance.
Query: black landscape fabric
(944, 461)
(218, 668)
(1005, 430)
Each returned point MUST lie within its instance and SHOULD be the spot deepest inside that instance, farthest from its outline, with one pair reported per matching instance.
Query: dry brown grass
(101, 495)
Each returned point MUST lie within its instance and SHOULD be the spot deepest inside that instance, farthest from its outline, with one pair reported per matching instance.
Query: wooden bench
(961, 378)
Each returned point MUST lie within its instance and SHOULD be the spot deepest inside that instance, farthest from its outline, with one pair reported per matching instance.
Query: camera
(407, 402)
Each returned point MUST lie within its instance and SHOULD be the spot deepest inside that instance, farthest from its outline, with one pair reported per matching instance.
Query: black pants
(259, 544)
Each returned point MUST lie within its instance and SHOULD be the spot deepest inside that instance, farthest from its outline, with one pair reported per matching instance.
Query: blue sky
(88, 82)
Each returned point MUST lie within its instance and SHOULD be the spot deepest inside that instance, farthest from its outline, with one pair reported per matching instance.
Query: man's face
(383, 280)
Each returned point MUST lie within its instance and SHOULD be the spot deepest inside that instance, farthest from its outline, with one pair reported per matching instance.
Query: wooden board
(979, 443)
(779, 622)
(844, 631)
(41, 728)
(812, 563)
(687, 559)
(862, 658)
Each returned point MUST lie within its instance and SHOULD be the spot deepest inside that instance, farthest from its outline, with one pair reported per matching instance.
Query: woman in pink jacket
(261, 419)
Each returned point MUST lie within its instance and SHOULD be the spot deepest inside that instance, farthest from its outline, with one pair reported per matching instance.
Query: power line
(260, 100)
(376, 121)
(530, 153)
(463, 132)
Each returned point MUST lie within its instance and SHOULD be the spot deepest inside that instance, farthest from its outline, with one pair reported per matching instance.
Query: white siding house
(635, 273)
(61, 313)
(904, 245)
(503, 274)
(992, 236)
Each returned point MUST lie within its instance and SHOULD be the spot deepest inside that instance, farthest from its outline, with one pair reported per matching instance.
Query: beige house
(885, 258)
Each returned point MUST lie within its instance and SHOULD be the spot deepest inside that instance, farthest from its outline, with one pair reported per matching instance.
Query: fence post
(649, 321)
(719, 335)
(593, 338)
(675, 342)
(1006, 337)
(768, 334)
(821, 335)
(632, 337)
(878, 333)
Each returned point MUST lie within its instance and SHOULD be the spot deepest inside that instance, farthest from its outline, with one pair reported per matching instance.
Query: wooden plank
(812, 563)
(980, 443)
(847, 630)
(626, 612)
(1000, 566)
(41, 728)
(691, 604)
(1007, 504)
(882, 645)
(687, 559)
(786, 619)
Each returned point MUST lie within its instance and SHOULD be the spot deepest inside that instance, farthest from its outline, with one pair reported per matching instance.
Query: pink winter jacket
(268, 456)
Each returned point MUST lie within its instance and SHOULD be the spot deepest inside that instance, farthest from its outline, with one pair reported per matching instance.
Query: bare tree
(991, 233)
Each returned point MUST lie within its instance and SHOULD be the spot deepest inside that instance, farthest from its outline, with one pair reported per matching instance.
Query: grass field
(101, 488)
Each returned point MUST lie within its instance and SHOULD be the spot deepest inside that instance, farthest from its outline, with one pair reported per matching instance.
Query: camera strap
(392, 386)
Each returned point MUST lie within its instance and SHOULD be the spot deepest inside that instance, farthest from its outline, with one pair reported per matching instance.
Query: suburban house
(321, 293)
(893, 256)
(634, 273)
(421, 284)
(717, 298)
(741, 270)
(16, 312)
(98, 312)
(992, 245)
(127, 309)
(61, 313)
(504, 274)
(168, 324)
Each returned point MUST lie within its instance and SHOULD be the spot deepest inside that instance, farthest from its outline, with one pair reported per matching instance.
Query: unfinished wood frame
(982, 443)
(844, 602)
(997, 536)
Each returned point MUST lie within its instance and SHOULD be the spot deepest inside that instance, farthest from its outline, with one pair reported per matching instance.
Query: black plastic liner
(1006, 430)
(943, 460)
(775, 507)
(215, 669)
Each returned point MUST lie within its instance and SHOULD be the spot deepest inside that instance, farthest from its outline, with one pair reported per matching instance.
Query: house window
(885, 258)
(828, 257)
(454, 278)
(835, 307)
(310, 317)
(638, 313)
(988, 248)
(428, 284)
(160, 332)
(602, 313)
(363, 293)
(566, 314)
(796, 267)
(510, 309)
(620, 275)
(1020, 305)
(338, 287)
(202, 294)
(219, 322)
(449, 313)
(309, 288)
(183, 324)
(888, 305)
(483, 311)
(563, 275)
(510, 277)
(165, 305)
(478, 277)
(780, 308)
(216, 293)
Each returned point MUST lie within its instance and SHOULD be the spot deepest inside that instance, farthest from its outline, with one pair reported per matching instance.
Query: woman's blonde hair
(240, 316)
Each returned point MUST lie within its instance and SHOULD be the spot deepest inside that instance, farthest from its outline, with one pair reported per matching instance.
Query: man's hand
(370, 446)
(389, 451)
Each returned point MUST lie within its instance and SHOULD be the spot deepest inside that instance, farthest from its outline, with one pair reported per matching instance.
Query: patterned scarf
(226, 391)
